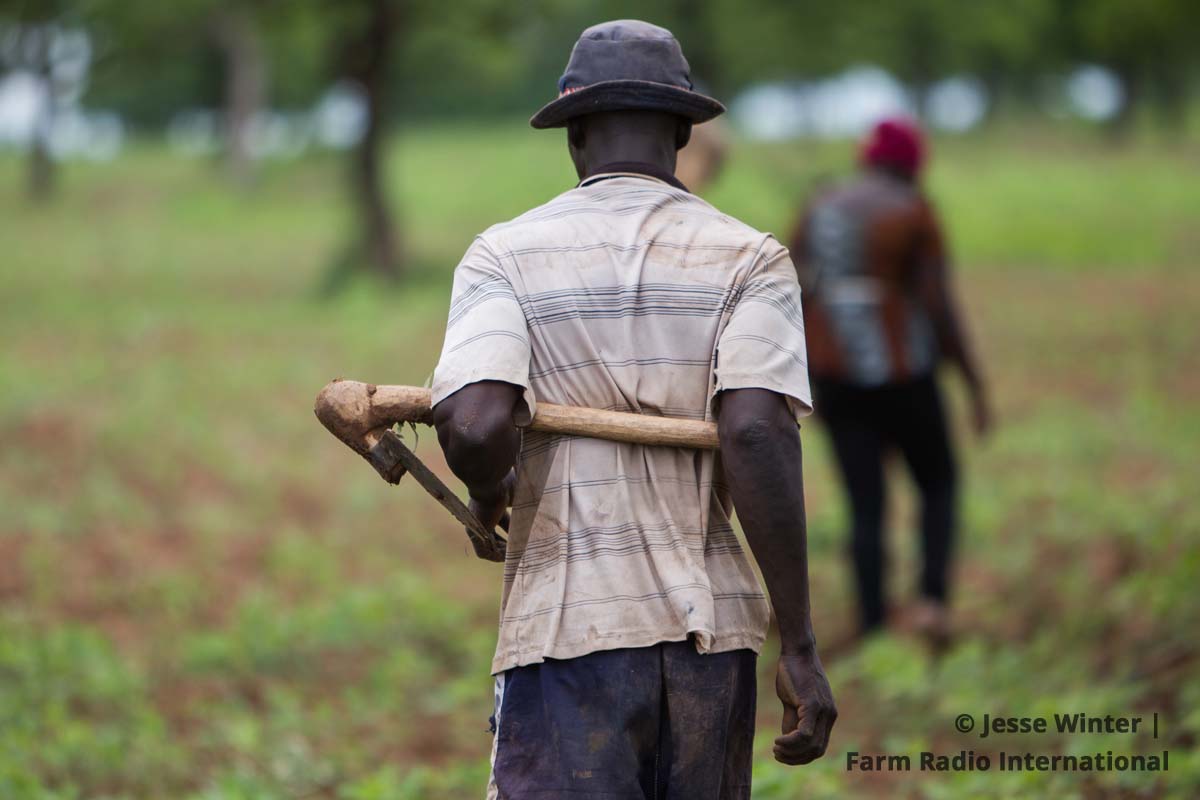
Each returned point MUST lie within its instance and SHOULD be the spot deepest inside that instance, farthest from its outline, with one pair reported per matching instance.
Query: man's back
(631, 620)
(863, 247)
(625, 283)
(628, 294)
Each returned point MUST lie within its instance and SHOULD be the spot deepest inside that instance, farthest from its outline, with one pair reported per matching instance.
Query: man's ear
(683, 134)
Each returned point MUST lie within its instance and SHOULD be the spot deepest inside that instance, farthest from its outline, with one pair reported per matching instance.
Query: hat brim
(627, 95)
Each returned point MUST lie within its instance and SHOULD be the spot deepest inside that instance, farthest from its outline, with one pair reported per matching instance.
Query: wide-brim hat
(626, 65)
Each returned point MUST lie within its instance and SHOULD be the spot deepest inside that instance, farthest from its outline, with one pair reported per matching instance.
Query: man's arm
(936, 294)
(760, 449)
(475, 428)
(954, 342)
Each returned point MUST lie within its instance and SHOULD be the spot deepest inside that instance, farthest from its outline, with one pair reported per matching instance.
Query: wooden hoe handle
(362, 416)
(359, 413)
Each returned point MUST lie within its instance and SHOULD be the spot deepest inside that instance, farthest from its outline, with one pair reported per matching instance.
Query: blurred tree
(413, 50)
(152, 60)
(762, 40)
(491, 57)
(1000, 42)
(31, 40)
(1151, 45)
(33, 44)
(917, 41)
(1007, 44)
(140, 35)
(366, 46)
(236, 31)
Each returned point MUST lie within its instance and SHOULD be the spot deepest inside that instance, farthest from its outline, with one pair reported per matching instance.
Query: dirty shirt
(625, 293)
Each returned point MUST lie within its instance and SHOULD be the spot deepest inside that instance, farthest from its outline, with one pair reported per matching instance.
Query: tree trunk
(41, 165)
(380, 242)
(1171, 96)
(1122, 123)
(245, 88)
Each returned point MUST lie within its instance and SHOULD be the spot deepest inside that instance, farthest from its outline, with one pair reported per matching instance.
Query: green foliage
(491, 57)
(206, 597)
(76, 716)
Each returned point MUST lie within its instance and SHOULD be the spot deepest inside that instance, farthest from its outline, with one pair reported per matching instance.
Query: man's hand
(808, 710)
(475, 428)
(493, 510)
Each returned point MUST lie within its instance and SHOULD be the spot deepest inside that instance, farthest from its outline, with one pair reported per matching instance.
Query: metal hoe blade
(392, 459)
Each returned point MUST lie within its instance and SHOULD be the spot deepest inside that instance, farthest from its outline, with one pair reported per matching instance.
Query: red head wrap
(897, 143)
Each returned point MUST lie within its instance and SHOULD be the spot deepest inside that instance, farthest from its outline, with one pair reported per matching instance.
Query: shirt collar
(635, 169)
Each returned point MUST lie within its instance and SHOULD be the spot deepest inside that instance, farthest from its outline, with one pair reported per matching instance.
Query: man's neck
(637, 167)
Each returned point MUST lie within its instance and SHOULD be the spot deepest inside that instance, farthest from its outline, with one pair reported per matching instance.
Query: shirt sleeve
(487, 338)
(762, 345)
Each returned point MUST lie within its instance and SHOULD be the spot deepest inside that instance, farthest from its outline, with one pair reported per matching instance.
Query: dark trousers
(863, 424)
(645, 723)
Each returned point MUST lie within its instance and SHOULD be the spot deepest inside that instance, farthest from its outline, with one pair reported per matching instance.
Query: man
(630, 616)
(881, 317)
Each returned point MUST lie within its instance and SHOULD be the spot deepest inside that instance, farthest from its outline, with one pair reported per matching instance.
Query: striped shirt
(625, 293)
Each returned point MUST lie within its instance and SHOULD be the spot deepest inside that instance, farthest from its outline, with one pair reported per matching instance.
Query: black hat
(622, 65)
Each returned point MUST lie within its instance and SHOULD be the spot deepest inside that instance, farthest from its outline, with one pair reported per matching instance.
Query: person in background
(880, 318)
(700, 163)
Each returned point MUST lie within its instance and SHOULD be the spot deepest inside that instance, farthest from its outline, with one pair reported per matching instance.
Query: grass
(203, 595)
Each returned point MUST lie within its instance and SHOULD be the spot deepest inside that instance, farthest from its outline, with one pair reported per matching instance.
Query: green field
(203, 595)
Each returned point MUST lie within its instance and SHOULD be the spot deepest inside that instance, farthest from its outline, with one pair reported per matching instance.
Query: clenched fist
(808, 710)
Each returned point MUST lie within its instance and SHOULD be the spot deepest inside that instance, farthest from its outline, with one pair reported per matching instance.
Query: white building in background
(842, 106)
(957, 104)
(74, 132)
(22, 100)
(1094, 92)
(28, 101)
(846, 105)
(337, 121)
